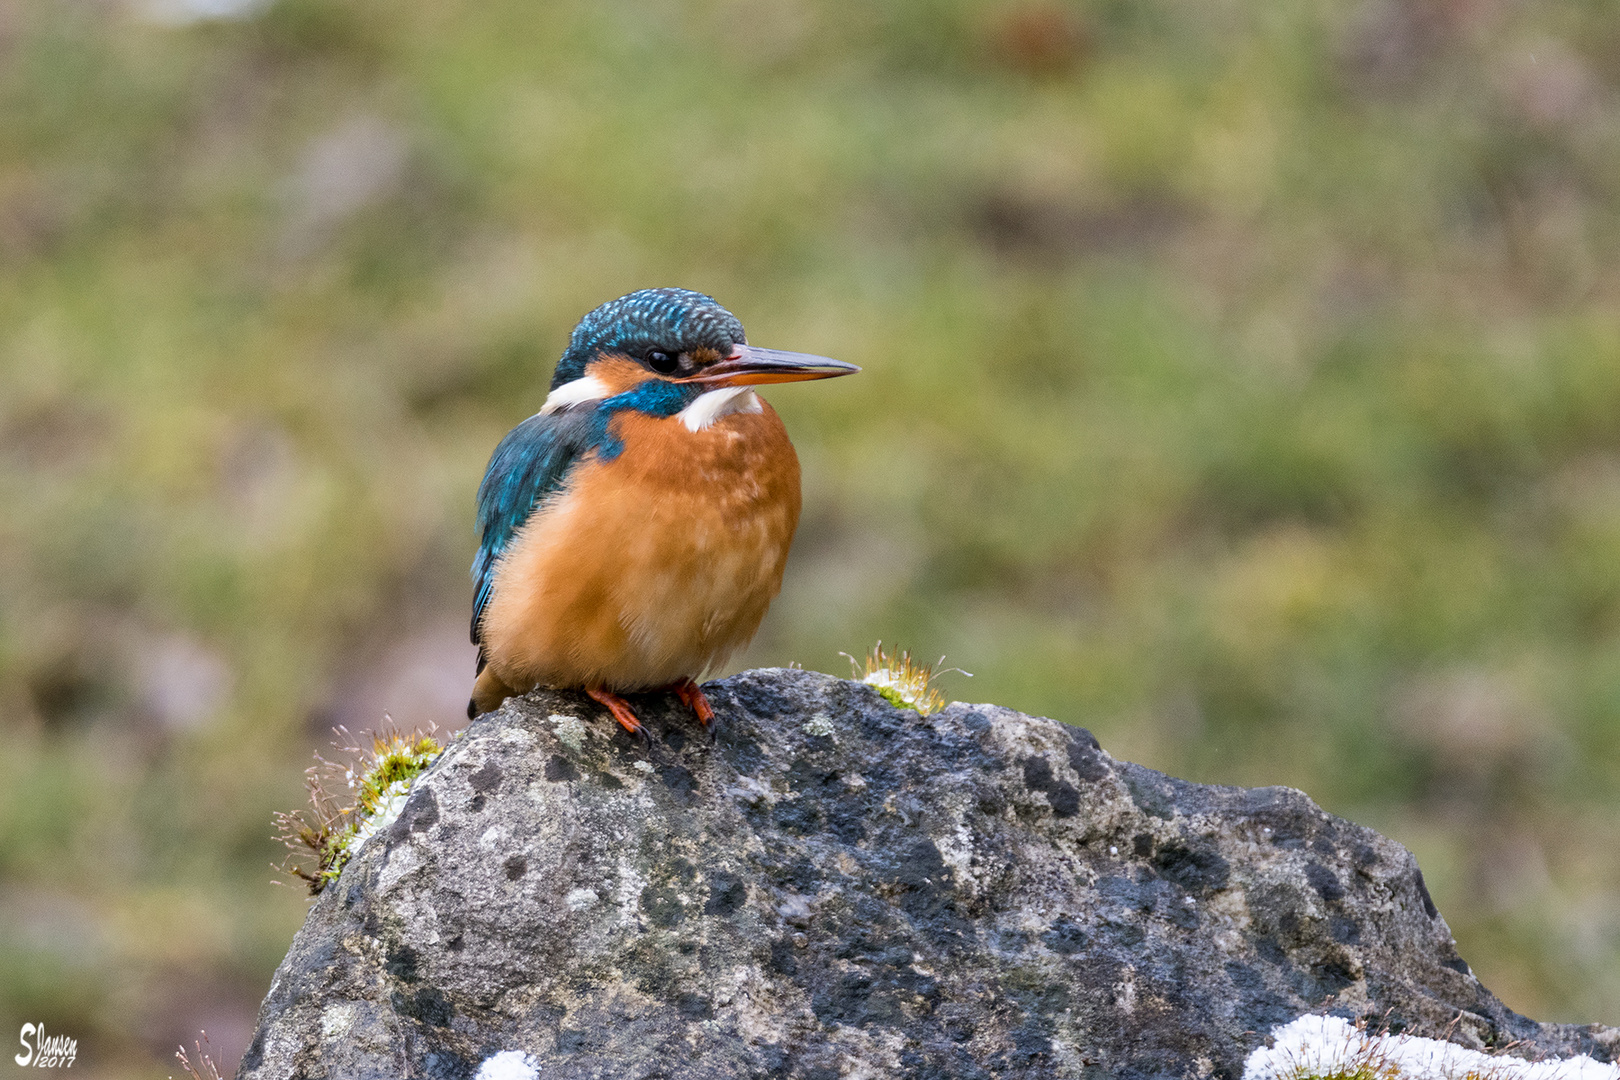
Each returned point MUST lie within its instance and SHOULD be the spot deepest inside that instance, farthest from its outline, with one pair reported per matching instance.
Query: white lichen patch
(627, 897)
(1229, 911)
(643, 767)
(419, 917)
(581, 898)
(337, 1019)
(1322, 1046)
(518, 738)
(508, 1065)
(570, 730)
(956, 852)
(1125, 992)
(820, 725)
(795, 909)
(750, 791)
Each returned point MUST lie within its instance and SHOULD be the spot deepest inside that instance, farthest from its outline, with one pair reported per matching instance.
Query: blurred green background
(1242, 382)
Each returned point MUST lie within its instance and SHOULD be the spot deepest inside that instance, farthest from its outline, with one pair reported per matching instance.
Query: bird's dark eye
(662, 362)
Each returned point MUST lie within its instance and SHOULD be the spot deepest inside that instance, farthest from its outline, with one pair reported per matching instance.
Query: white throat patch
(717, 403)
(578, 392)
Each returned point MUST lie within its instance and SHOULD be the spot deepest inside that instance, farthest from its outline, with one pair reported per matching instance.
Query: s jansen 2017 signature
(45, 1051)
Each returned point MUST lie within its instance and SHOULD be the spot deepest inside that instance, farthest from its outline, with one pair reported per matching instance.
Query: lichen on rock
(974, 893)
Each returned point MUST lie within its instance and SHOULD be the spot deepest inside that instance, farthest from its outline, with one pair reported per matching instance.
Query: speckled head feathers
(672, 320)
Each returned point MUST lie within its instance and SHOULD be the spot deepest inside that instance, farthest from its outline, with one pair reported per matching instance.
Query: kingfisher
(633, 532)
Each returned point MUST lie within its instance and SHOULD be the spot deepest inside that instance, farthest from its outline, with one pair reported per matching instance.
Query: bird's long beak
(748, 366)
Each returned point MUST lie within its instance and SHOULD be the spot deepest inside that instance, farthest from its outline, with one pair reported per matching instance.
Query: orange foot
(620, 709)
(691, 695)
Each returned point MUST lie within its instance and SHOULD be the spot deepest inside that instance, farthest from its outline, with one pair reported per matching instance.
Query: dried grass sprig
(203, 1068)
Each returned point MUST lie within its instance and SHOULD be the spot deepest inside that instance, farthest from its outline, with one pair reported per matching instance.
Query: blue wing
(530, 465)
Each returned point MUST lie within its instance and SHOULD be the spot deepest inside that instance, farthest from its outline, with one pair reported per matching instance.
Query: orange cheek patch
(618, 373)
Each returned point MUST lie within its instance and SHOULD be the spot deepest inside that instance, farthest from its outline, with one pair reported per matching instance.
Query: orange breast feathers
(651, 567)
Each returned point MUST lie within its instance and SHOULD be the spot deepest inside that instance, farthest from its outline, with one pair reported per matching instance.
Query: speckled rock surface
(834, 887)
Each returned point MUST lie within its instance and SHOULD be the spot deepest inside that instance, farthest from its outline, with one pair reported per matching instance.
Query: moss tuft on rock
(376, 783)
(903, 682)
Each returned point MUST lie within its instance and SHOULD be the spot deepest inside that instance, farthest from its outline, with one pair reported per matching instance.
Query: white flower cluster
(508, 1065)
(1320, 1046)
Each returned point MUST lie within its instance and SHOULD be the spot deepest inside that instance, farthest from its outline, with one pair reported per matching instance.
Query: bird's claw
(688, 692)
(691, 695)
(620, 709)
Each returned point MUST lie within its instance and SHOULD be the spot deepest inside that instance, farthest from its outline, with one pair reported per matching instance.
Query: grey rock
(975, 894)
